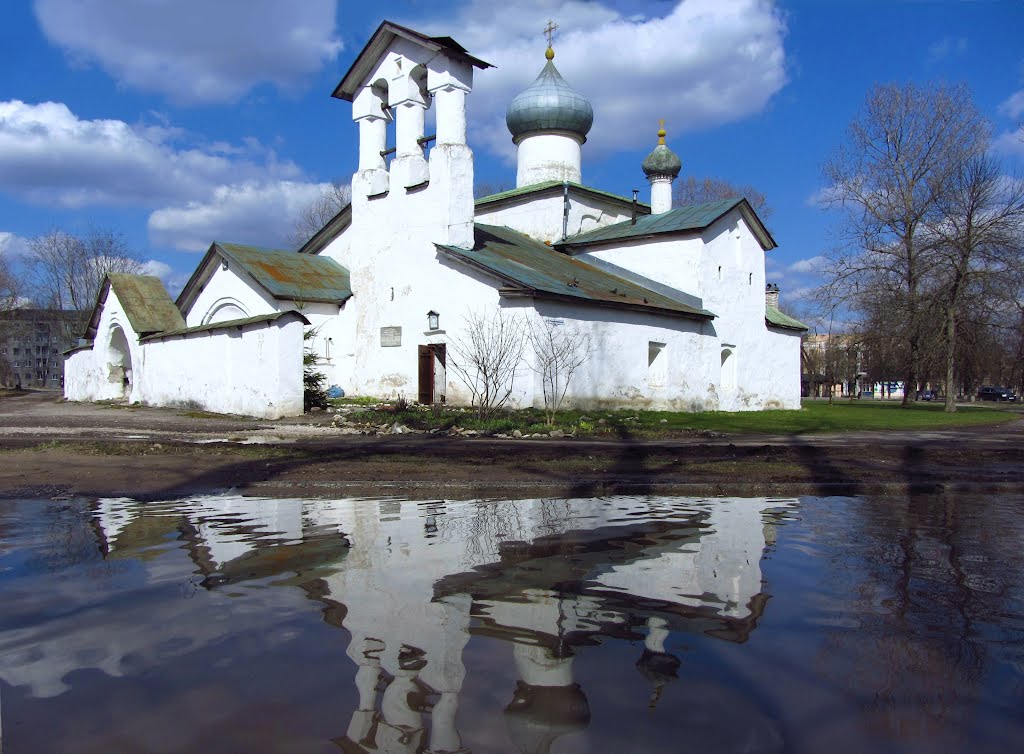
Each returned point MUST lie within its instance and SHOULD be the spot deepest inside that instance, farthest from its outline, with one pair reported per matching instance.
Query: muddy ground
(49, 448)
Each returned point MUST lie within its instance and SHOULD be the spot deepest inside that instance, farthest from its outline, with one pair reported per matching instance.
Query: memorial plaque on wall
(390, 336)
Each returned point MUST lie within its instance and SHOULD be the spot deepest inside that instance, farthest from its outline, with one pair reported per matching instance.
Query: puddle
(653, 624)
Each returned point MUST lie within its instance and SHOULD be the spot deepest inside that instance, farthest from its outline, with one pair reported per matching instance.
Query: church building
(668, 308)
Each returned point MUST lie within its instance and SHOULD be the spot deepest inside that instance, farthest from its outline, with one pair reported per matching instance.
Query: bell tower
(399, 75)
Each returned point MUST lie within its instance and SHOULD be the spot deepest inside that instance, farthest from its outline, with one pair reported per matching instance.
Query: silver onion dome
(662, 160)
(549, 104)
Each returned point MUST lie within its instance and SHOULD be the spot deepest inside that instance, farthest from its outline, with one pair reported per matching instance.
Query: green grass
(814, 417)
(356, 400)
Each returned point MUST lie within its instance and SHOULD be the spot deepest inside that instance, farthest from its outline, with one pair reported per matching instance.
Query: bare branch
(558, 351)
(486, 355)
(320, 212)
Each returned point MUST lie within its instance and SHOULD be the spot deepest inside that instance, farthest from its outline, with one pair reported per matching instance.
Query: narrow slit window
(657, 364)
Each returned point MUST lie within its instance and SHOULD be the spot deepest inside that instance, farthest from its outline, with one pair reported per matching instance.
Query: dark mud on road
(52, 449)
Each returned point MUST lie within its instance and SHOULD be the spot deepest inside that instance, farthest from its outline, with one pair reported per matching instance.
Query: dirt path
(52, 449)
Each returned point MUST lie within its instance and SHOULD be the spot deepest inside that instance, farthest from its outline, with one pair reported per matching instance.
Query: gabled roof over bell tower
(366, 61)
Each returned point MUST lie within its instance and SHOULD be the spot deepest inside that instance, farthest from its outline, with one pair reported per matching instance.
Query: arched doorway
(119, 363)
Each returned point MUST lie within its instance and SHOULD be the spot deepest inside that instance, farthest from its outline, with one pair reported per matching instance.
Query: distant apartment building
(32, 343)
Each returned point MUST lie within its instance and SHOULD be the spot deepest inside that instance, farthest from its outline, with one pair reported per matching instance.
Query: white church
(672, 303)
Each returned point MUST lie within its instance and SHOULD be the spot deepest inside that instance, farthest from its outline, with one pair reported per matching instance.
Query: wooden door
(426, 386)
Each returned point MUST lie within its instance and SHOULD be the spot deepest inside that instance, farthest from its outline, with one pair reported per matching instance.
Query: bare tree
(320, 212)
(485, 357)
(558, 351)
(488, 188)
(65, 271)
(900, 154)
(979, 234)
(10, 286)
(694, 190)
(10, 298)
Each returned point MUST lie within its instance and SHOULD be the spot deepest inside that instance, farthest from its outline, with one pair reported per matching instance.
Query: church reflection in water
(413, 582)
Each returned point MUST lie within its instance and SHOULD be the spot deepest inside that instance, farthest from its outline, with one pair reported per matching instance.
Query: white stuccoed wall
(617, 374)
(233, 294)
(228, 292)
(548, 156)
(541, 217)
(724, 267)
(737, 297)
(255, 370)
(389, 247)
(87, 373)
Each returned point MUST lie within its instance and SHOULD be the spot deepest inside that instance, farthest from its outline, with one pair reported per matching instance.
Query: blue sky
(177, 122)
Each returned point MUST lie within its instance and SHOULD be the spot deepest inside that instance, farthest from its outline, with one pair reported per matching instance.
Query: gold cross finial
(661, 131)
(549, 31)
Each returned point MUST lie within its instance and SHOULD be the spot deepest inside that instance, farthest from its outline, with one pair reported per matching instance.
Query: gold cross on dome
(549, 31)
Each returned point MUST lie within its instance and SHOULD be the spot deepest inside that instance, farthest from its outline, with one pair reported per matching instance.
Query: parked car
(927, 395)
(996, 393)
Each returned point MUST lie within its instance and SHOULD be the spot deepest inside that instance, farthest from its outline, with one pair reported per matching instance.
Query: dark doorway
(433, 375)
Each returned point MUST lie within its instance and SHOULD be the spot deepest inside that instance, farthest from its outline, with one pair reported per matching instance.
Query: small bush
(314, 383)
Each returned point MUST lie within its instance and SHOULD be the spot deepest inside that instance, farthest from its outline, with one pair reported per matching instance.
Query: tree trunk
(950, 407)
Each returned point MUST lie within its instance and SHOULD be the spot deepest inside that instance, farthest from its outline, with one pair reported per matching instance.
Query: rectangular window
(657, 364)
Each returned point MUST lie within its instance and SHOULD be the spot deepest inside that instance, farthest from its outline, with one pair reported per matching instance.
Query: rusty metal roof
(289, 275)
(774, 318)
(146, 303)
(694, 218)
(531, 268)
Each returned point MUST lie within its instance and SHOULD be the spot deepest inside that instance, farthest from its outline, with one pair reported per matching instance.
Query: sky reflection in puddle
(647, 624)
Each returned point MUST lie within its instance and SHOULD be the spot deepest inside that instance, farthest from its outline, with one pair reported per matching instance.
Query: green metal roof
(531, 268)
(291, 276)
(693, 218)
(538, 188)
(774, 318)
(146, 303)
(228, 324)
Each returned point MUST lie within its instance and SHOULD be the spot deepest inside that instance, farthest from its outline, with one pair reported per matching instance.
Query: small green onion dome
(662, 160)
(549, 104)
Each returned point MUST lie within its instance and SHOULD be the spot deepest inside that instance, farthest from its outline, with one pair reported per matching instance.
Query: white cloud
(195, 51)
(172, 279)
(822, 198)
(1010, 143)
(1013, 106)
(947, 47)
(812, 265)
(259, 213)
(13, 246)
(703, 64)
(49, 155)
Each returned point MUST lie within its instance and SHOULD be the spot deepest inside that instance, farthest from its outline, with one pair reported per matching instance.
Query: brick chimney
(771, 295)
